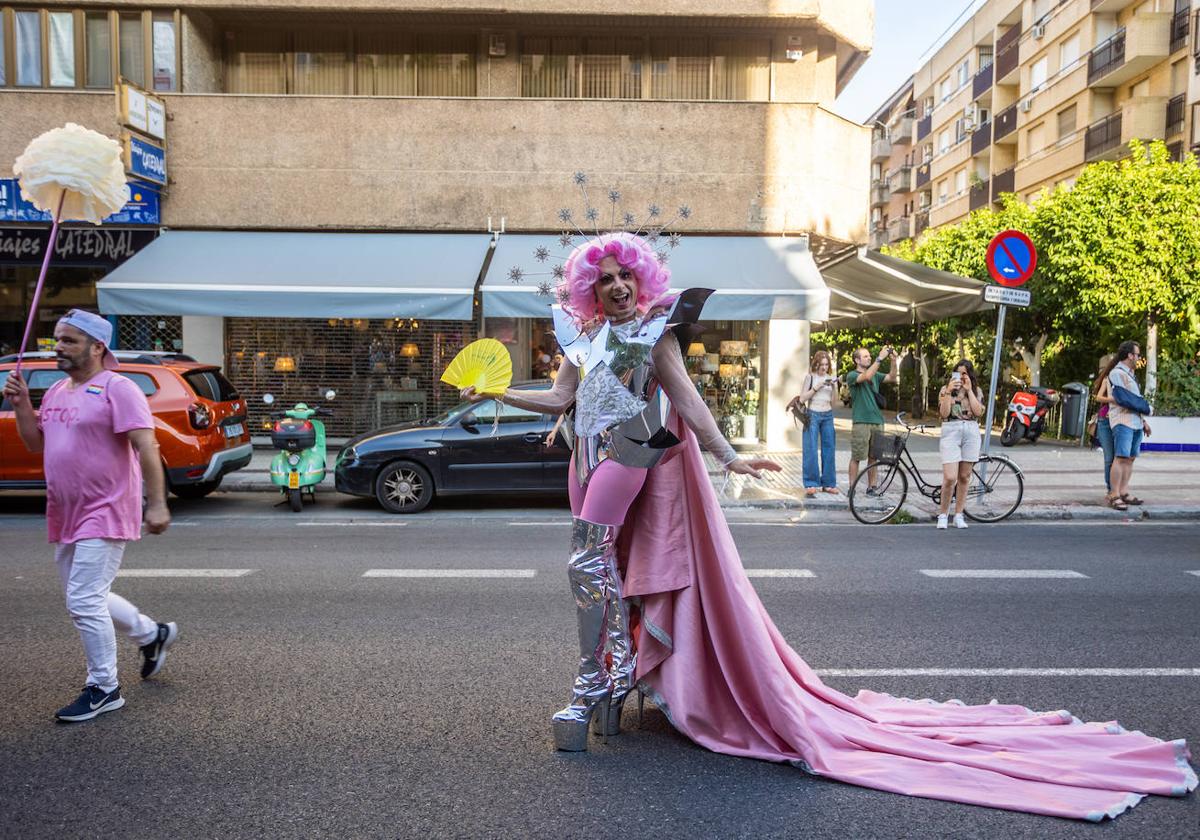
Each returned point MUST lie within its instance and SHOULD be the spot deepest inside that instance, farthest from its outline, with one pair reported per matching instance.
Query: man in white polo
(96, 435)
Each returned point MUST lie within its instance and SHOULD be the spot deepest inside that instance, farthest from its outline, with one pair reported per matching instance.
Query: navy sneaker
(154, 654)
(92, 701)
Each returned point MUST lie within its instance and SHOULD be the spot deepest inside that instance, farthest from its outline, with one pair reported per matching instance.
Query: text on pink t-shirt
(93, 477)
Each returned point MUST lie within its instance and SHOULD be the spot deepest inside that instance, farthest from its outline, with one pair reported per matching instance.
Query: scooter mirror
(330, 394)
(268, 398)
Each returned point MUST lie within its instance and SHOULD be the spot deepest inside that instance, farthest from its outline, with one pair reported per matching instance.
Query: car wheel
(195, 491)
(295, 501)
(404, 487)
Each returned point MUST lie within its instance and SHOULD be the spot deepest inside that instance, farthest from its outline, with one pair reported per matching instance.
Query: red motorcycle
(1027, 413)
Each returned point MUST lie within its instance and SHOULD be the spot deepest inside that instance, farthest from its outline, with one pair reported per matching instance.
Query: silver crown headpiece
(662, 236)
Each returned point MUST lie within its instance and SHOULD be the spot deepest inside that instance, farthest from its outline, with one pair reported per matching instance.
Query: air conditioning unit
(1038, 31)
(971, 112)
(1026, 105)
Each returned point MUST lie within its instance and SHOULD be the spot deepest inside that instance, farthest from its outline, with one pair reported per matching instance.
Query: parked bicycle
(996, 488)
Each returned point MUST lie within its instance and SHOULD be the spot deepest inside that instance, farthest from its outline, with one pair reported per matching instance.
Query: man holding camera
(865, 401)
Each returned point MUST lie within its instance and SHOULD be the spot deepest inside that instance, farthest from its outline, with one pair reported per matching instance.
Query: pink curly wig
(581, 271)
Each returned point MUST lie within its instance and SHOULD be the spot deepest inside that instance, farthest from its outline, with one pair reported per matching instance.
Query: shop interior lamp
(74, 174)
(696, 350)
(285, 364)
(735, 348)
(410, 351)
(727, 371)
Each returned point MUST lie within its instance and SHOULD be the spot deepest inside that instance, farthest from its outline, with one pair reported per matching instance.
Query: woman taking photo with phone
(960, 402)
(819, 438)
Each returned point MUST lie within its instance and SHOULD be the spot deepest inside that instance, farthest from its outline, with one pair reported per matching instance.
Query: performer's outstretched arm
(554, 401)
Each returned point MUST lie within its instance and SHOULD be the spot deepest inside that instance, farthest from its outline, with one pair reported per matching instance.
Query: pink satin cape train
(712, 659)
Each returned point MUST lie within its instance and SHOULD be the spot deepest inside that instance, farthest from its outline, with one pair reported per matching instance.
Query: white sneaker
(960, 521)
(941, 526)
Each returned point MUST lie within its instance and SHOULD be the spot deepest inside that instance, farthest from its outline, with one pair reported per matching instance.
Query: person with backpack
(867, 403)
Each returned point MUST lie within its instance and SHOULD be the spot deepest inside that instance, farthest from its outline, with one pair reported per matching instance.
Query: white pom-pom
(83, 162)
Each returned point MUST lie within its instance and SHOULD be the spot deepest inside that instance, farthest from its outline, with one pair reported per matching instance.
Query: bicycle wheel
(997, 496)
(875, 505)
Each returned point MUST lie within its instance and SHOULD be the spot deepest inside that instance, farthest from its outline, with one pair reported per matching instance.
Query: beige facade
(894, 162)
(1027, 92)
(411, 116)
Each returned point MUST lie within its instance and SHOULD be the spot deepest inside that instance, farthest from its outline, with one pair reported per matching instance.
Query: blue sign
(146, 160)
(144, 207)
(1011, 258)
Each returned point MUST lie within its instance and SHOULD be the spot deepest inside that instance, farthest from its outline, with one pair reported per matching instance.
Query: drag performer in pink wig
(648, 531)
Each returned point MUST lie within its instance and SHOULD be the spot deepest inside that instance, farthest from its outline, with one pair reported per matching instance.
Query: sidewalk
(1062, 481)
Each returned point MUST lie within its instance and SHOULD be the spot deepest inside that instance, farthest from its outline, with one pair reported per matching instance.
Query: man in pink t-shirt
(96, 436)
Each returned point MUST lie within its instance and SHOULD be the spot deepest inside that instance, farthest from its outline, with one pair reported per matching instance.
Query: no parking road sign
(1011, 258)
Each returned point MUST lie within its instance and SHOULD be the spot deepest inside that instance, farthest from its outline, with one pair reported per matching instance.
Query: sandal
(832, 490)
(810, 491)
(1117, 503)
(1130, 499)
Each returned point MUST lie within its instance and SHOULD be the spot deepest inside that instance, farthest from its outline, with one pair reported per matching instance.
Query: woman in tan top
(817, 393)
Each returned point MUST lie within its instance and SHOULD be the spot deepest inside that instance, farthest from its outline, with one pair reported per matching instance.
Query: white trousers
(87, 569)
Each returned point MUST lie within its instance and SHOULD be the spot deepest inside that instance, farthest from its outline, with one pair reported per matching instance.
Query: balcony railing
(900, 228)
(1179, 29)
(1102, 136)
(981, 139)
(1006, 123)
(879, 193)
(881, 149)
(920, 222)
(1196, 40)
(924, 126)
(979, 194)
(1176, 107)
(982, 82)
(1007, 54)
(923, 175)
(878, 235)
(900, 180)
(1106, 57)
(1196, 122)
(1004, 181)
(901, 129)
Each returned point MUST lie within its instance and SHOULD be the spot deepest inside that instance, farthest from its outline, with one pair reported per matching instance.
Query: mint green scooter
(300, 438)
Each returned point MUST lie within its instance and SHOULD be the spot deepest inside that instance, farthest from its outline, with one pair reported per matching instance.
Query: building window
(1040, 9)
(61, 48)
(944, 142)
(1037, 73)
(741, 70)
(1066, 123)
(1068, 52)
(679, 68)
(943, 188)
(960, 130)
(132, 40)
(162, 35)
(320, 64)
(945, 89)
(964, 72)
(960, 182)
(611, 68)
(29, 48)
(97, 50)
(1179, 76)
(1142, 88)
(984, 55)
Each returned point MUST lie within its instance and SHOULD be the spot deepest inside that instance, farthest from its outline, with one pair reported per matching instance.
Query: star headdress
(662, 236)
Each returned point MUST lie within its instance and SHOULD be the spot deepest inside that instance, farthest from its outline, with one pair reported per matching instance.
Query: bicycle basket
(885, 447)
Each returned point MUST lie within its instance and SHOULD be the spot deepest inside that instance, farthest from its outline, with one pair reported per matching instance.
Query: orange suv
(199, 420)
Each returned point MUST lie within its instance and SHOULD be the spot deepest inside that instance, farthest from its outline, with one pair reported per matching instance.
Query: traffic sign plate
(1007, 296)
(1011, 258)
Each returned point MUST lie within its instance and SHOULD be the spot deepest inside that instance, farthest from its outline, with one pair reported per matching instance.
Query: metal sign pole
(991, 405)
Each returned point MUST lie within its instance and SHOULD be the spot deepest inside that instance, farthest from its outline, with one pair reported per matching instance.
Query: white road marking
(351, 524)
(450, 573)
(780, 573)
(539, 524)
(1001, 573)
(180, 573)
(1008, 672)
(1196, 573)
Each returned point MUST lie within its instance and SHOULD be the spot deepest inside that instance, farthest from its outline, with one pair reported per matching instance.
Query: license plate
(236, 430)
(294, 480)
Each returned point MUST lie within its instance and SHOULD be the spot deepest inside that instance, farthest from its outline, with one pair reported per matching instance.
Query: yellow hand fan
(483, 364)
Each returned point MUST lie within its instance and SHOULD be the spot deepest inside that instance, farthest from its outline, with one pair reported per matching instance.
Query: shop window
(28, 42)
(150, 332)
(256, 63)
(679, 68)
(132, 46)
(742, 70)
(445, 65)
(548, 67)
(385, 64)
(611, 68)
(162, 34)
(97, 50)
(319, 64)
(61, 48)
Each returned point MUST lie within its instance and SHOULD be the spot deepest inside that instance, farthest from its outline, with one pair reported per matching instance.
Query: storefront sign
(143, 207)
(141, 111)
(144, 160)
(104, 247)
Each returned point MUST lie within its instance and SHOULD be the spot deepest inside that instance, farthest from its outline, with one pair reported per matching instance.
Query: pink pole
(37, 292)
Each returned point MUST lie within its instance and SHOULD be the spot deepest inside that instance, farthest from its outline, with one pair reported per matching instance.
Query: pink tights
(608, 494)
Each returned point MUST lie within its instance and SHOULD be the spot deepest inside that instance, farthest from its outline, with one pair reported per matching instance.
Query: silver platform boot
(590, 571)
(619, 645)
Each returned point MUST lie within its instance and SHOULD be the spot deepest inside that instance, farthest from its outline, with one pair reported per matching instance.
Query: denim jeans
(819, 435)
(1105, 436)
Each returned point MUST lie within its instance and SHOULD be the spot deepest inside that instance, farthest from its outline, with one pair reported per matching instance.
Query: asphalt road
(306, 700)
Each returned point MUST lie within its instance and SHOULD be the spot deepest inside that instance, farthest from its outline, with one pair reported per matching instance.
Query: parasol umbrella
(76, 174)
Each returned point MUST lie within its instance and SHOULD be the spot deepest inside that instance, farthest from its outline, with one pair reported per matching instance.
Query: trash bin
(1074, 410)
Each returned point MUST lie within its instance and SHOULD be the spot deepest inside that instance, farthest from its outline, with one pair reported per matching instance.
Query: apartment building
(419, 122)
(894, 196)
(1026, 92)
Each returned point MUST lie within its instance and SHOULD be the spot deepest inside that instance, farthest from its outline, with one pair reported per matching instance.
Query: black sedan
(456, 453)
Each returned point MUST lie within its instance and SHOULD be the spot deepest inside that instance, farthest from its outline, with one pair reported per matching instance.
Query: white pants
(87, 569)
(961, 441)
